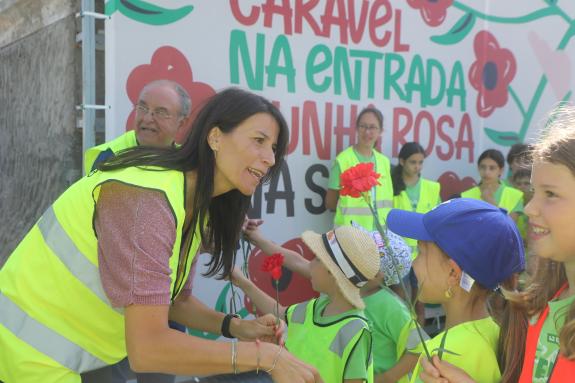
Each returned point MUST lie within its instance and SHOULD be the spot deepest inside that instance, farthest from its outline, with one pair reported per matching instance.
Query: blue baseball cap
(481, 238)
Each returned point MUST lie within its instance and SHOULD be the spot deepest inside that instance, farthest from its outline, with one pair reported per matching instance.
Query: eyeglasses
(367, 127)
(159, 113)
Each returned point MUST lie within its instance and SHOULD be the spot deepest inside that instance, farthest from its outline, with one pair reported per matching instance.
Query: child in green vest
(491, 189)
(467, 249)
(392, 328)
(330, 332)
(537, 342)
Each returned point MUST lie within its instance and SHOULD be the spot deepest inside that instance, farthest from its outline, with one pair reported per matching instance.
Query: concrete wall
(40, 146)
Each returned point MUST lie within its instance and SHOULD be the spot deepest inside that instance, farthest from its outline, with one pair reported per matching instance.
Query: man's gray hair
(185, 101)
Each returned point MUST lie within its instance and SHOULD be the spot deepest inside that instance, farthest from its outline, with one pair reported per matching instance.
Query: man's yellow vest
(355, 209)
(428, 197)
(55, 318)
(326, 347)
(125, 141)
(510, 196)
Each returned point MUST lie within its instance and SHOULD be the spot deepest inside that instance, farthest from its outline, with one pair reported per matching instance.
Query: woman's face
(551, 211)
(412, 165)
(432, 268)
(368, 130)
(489, 171)
(244, 155)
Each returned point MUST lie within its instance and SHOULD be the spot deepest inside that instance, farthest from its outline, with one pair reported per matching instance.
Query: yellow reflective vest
(55, 318)
(125, 141)
(355, 209)
(510, 196)
(326, 347)
(428, 198)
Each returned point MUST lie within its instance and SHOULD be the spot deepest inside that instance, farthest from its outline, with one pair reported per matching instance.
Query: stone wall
(40, 146)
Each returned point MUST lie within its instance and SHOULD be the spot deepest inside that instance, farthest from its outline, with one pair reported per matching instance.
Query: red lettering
(425, 115)
(462, 142)
(302, 11)
(398, 134)
(294, 136)
(398, 46)
(310, 117)
(356, 29)
(284, 10)
(444, 120)
(375, 21)
(329, 19)
(245, 20)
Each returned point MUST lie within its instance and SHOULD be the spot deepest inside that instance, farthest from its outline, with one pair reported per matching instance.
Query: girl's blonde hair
(557, 146)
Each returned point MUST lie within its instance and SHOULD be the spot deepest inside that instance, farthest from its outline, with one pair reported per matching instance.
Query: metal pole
(88, 76)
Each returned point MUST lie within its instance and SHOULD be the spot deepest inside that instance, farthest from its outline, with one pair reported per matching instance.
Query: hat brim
(408, 224)
(350, 292)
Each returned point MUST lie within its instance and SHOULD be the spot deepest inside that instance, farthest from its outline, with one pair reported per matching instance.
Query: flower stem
(277, 283)
(383, 234)
(538, 14)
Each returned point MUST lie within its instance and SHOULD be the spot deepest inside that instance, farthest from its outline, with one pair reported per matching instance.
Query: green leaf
(502, 138)
(148, 13)
(458, 32)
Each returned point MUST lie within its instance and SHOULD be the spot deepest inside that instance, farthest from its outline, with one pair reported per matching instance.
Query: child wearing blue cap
(537, 342)
(467, 248)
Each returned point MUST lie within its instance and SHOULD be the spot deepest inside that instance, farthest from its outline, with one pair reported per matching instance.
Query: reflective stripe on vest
(64, 248)
(298, 315)
(345, 335)
(564, 369)
(355, 209)
(43, 339)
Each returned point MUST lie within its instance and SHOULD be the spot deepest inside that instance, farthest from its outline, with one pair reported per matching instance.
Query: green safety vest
(355, 209)
(326, 347)
(125, 141)
(51, 284)
(428, 197)
(510, 197)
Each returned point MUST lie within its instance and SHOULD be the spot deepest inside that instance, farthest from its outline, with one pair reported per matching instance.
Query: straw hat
(350, 255)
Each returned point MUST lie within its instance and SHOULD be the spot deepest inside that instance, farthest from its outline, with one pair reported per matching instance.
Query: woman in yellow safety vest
(490, 189)
(98, 276)
(369, 126)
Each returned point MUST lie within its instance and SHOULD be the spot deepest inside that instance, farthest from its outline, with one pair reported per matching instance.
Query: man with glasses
(162, 109)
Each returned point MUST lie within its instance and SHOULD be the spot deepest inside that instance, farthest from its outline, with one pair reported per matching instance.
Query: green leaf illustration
(457, 32)
(147, 13)
(502, 138)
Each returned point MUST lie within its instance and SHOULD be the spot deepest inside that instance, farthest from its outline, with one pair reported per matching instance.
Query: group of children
(469, 254)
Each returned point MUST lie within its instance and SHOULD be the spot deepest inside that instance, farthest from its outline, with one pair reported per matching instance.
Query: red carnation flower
(432, 11)
(358, 179)
(273, 265)
(491, 73)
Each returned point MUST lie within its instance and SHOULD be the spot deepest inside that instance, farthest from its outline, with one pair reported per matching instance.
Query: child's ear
(455, 272)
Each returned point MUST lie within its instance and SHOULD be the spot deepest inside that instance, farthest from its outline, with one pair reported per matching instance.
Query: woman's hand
(251, 230)
(264, 328)
(442, 372)
(289, 369)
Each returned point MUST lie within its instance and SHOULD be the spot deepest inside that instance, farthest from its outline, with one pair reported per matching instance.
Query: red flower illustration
(167, 63)
(273, 265)
(432, 11)
(358, 179)
(491, 73)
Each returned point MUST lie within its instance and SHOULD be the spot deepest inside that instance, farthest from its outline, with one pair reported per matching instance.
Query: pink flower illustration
(432, 11)
(491, 73)
(167, 63)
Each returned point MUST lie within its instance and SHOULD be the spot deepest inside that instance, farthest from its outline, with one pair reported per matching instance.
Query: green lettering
(416, 81)
(457, 86)
(280, 49)
(341, 66)
(391, 76)
(434, 65)
(254, 75)
(372, 58)
(312, 68)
